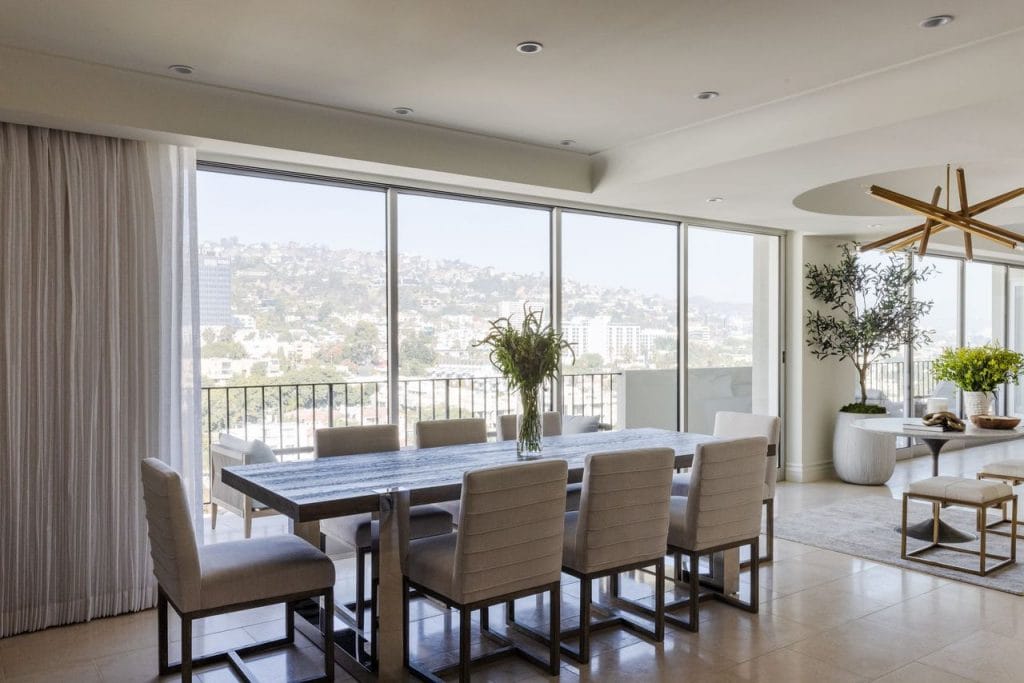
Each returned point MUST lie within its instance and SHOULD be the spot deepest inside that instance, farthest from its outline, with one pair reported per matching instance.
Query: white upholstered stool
(1012, 472)
(977, 494)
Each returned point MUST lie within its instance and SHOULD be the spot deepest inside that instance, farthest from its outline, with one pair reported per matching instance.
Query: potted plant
(978, 371)
(869, 314)
(526, 356)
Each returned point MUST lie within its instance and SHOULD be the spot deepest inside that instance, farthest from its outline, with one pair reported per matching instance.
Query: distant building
(215, 291)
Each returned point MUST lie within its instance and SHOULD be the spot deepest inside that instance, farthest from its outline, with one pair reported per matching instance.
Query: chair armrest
(220, 492)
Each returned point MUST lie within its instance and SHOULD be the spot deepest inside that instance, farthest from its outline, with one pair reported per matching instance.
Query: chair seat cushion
(681, 485)
(260, 569)
(357, 530)
(960, 489)
(677, 520)
(430, 563)
(572, 520)
(573, 493)
(1011, 469)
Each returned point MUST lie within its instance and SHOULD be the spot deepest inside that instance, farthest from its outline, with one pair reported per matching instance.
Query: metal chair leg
(586, 599)
(360, 588)
(186, 650)
(555, 627)
(161, 615)
(327, 630)
(465, 623)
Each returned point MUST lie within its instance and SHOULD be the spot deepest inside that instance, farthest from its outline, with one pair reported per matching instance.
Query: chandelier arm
(903, 234)
(975, 209)
(980, 228)
(961, 184)
(927, 232)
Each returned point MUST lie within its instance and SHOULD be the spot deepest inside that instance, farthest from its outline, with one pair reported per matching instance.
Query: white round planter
(860, 457)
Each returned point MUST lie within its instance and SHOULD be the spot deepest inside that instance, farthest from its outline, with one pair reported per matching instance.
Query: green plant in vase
(978, 371)
(527, 355)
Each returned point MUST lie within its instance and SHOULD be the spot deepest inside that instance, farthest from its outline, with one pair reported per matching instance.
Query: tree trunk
(863, 372)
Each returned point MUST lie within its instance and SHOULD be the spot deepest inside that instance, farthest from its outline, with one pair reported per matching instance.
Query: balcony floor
(824, 616)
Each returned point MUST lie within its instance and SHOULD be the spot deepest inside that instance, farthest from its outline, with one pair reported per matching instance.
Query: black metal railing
(286, 416)
(887, 377)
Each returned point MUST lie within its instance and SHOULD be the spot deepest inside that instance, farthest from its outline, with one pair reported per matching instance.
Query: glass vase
(530, 425)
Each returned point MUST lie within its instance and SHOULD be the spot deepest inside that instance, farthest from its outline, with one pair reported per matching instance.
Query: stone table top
(333, 487)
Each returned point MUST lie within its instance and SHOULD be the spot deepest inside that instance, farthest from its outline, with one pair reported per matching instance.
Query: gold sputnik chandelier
(938, 219)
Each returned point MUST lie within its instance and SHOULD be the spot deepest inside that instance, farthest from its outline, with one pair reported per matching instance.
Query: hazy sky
(596, 249)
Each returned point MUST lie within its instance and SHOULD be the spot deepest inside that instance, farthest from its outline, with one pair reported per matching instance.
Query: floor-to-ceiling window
(1015, 332)
(295, 294)
(620, 312)
(732, 325)
(292, 307)
(462, 263)
(942, 288)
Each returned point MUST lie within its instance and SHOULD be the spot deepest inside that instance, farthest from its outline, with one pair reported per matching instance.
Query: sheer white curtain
(98, 311)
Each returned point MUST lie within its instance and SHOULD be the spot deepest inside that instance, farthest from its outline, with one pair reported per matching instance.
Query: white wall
(815, 390)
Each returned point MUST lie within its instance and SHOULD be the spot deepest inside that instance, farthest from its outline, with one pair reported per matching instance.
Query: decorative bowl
(995, 421)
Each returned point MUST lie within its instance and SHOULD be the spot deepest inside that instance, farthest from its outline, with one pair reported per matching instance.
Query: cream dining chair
(214, 579)
(729, 425)
(508, 545)
(622, 525)
(456, 432)
(721, 512)
(357, 530)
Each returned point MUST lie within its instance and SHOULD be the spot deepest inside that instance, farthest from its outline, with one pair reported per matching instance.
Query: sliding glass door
(461, 264)
(732, 325)
(620, 311)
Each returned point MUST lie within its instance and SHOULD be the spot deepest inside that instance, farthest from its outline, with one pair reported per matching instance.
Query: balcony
(286, 416)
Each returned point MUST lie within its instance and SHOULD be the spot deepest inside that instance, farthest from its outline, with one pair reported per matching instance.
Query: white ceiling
(814, 92)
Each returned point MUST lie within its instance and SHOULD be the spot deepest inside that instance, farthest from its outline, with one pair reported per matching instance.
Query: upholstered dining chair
(226, 577)
(729, 425)
(357, 530)
(456, 432)
(721, 512)
(551, 425)
(622, 525)
(508, 545)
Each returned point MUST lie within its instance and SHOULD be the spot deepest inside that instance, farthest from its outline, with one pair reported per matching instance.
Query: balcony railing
(887, 377)
(286, 416)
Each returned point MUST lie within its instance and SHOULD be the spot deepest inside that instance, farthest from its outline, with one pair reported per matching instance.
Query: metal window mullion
(391, 245)
(555, 293)
(682, 326)
(908, 360)
(961, 317)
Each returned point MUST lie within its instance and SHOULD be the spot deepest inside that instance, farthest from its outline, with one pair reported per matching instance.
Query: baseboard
(811, 472)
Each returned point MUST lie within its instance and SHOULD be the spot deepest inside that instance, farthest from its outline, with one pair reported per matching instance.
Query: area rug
(866, 527)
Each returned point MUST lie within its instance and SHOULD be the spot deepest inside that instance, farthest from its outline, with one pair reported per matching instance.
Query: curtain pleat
(86, 395)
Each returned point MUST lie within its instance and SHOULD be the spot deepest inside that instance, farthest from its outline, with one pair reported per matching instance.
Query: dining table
(387, 484)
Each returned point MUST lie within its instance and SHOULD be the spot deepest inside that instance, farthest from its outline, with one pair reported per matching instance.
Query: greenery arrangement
(871, 313)
(526, 356)
(979, 368)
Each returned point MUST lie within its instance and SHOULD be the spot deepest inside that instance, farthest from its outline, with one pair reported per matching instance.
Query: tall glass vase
(530, 427)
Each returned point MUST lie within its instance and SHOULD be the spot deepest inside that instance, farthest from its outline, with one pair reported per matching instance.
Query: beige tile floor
(824, 616)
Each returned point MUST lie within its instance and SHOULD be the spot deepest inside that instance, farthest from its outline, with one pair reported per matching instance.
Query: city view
(293, 281)
(294, 313)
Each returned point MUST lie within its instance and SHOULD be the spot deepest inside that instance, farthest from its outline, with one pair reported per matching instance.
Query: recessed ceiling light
(403, 111)
(567, 143)
(875, 225)
(715, 200)
(183, 69)
(937, 21)
(707, 95)
(529, 47)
